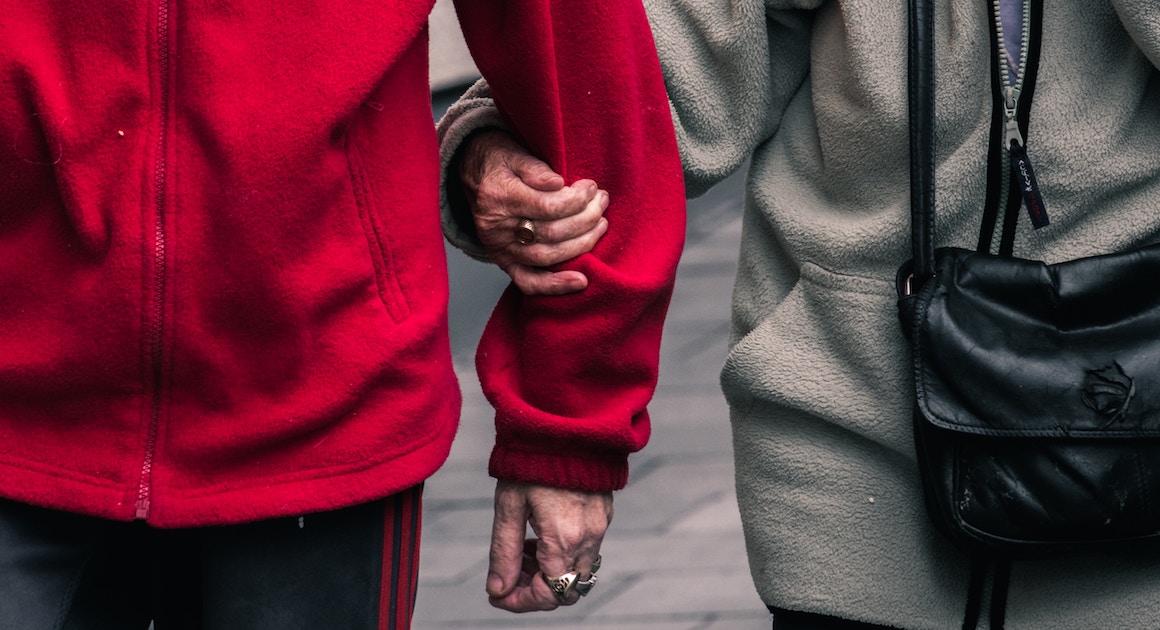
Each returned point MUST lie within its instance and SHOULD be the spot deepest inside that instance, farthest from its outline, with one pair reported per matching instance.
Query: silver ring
(525, 232)
(570, 581)
(583, 586)
(561, 586)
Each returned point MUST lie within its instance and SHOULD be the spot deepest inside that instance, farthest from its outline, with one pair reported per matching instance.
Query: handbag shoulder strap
(920, 86)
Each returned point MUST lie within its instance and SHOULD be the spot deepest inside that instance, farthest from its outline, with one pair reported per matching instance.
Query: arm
(730, 69)
(569, 376)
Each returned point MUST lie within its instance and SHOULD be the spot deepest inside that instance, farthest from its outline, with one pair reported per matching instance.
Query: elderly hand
(504, 185)
(569, 527)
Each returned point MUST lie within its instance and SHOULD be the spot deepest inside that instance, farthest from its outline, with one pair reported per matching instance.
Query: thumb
(535, 173)
(507, 539)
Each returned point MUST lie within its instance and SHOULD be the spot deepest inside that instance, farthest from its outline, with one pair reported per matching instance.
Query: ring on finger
(584, 586)
(561, 586)
(525, 231)
(570, 581)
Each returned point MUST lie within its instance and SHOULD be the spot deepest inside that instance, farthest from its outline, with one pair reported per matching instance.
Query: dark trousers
(354, 568)
(794, 620)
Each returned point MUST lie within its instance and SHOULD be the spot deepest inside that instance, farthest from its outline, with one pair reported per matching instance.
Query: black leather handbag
(1037, 412)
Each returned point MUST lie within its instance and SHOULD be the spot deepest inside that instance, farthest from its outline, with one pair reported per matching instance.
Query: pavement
(674, 557)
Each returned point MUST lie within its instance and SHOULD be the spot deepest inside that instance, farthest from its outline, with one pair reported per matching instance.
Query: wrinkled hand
(504, 183)
(569, 527)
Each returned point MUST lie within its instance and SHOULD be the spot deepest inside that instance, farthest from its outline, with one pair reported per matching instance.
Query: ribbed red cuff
(573, 472)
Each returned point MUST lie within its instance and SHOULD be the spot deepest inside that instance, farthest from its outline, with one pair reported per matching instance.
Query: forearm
(570, 376)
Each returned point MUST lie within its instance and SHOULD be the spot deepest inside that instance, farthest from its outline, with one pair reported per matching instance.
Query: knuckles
(536, 256)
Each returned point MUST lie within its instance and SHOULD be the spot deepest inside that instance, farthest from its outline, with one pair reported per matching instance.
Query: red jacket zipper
(157, 330)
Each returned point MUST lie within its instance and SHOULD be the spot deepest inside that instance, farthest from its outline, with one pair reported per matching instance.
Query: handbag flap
(1014, 347)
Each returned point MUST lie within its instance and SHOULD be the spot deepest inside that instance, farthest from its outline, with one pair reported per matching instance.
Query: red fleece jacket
(222, 282)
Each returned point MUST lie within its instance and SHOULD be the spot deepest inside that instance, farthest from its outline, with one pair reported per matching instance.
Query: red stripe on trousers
(401, 533)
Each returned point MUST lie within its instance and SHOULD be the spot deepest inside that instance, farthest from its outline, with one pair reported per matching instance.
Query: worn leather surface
(920, 103)
(1038, 396)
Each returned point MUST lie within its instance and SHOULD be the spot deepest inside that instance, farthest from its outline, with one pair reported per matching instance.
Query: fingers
(507, 561)
(503, 180)
(534, 172)
(525, 264)
(585, 565)
(533, 281)
(570, 527)
(505, 184)
(514, 582)
(503, 200)
(572, 225)
(531, 593)
(495, 151)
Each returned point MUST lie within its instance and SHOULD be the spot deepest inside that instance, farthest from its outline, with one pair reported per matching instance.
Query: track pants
(794, 620)
(353, 568)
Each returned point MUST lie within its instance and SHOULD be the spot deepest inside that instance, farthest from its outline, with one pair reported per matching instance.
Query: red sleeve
(570, 376)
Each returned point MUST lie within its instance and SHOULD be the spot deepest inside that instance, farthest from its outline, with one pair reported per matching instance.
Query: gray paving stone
(667, 488)
(693, 592)
(454, 563)
(441, 524)
(714, 516)
(687, 425)
(636, 553)
(451, 64)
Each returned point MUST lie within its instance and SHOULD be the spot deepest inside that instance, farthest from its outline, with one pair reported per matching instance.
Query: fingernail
(494, 584)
